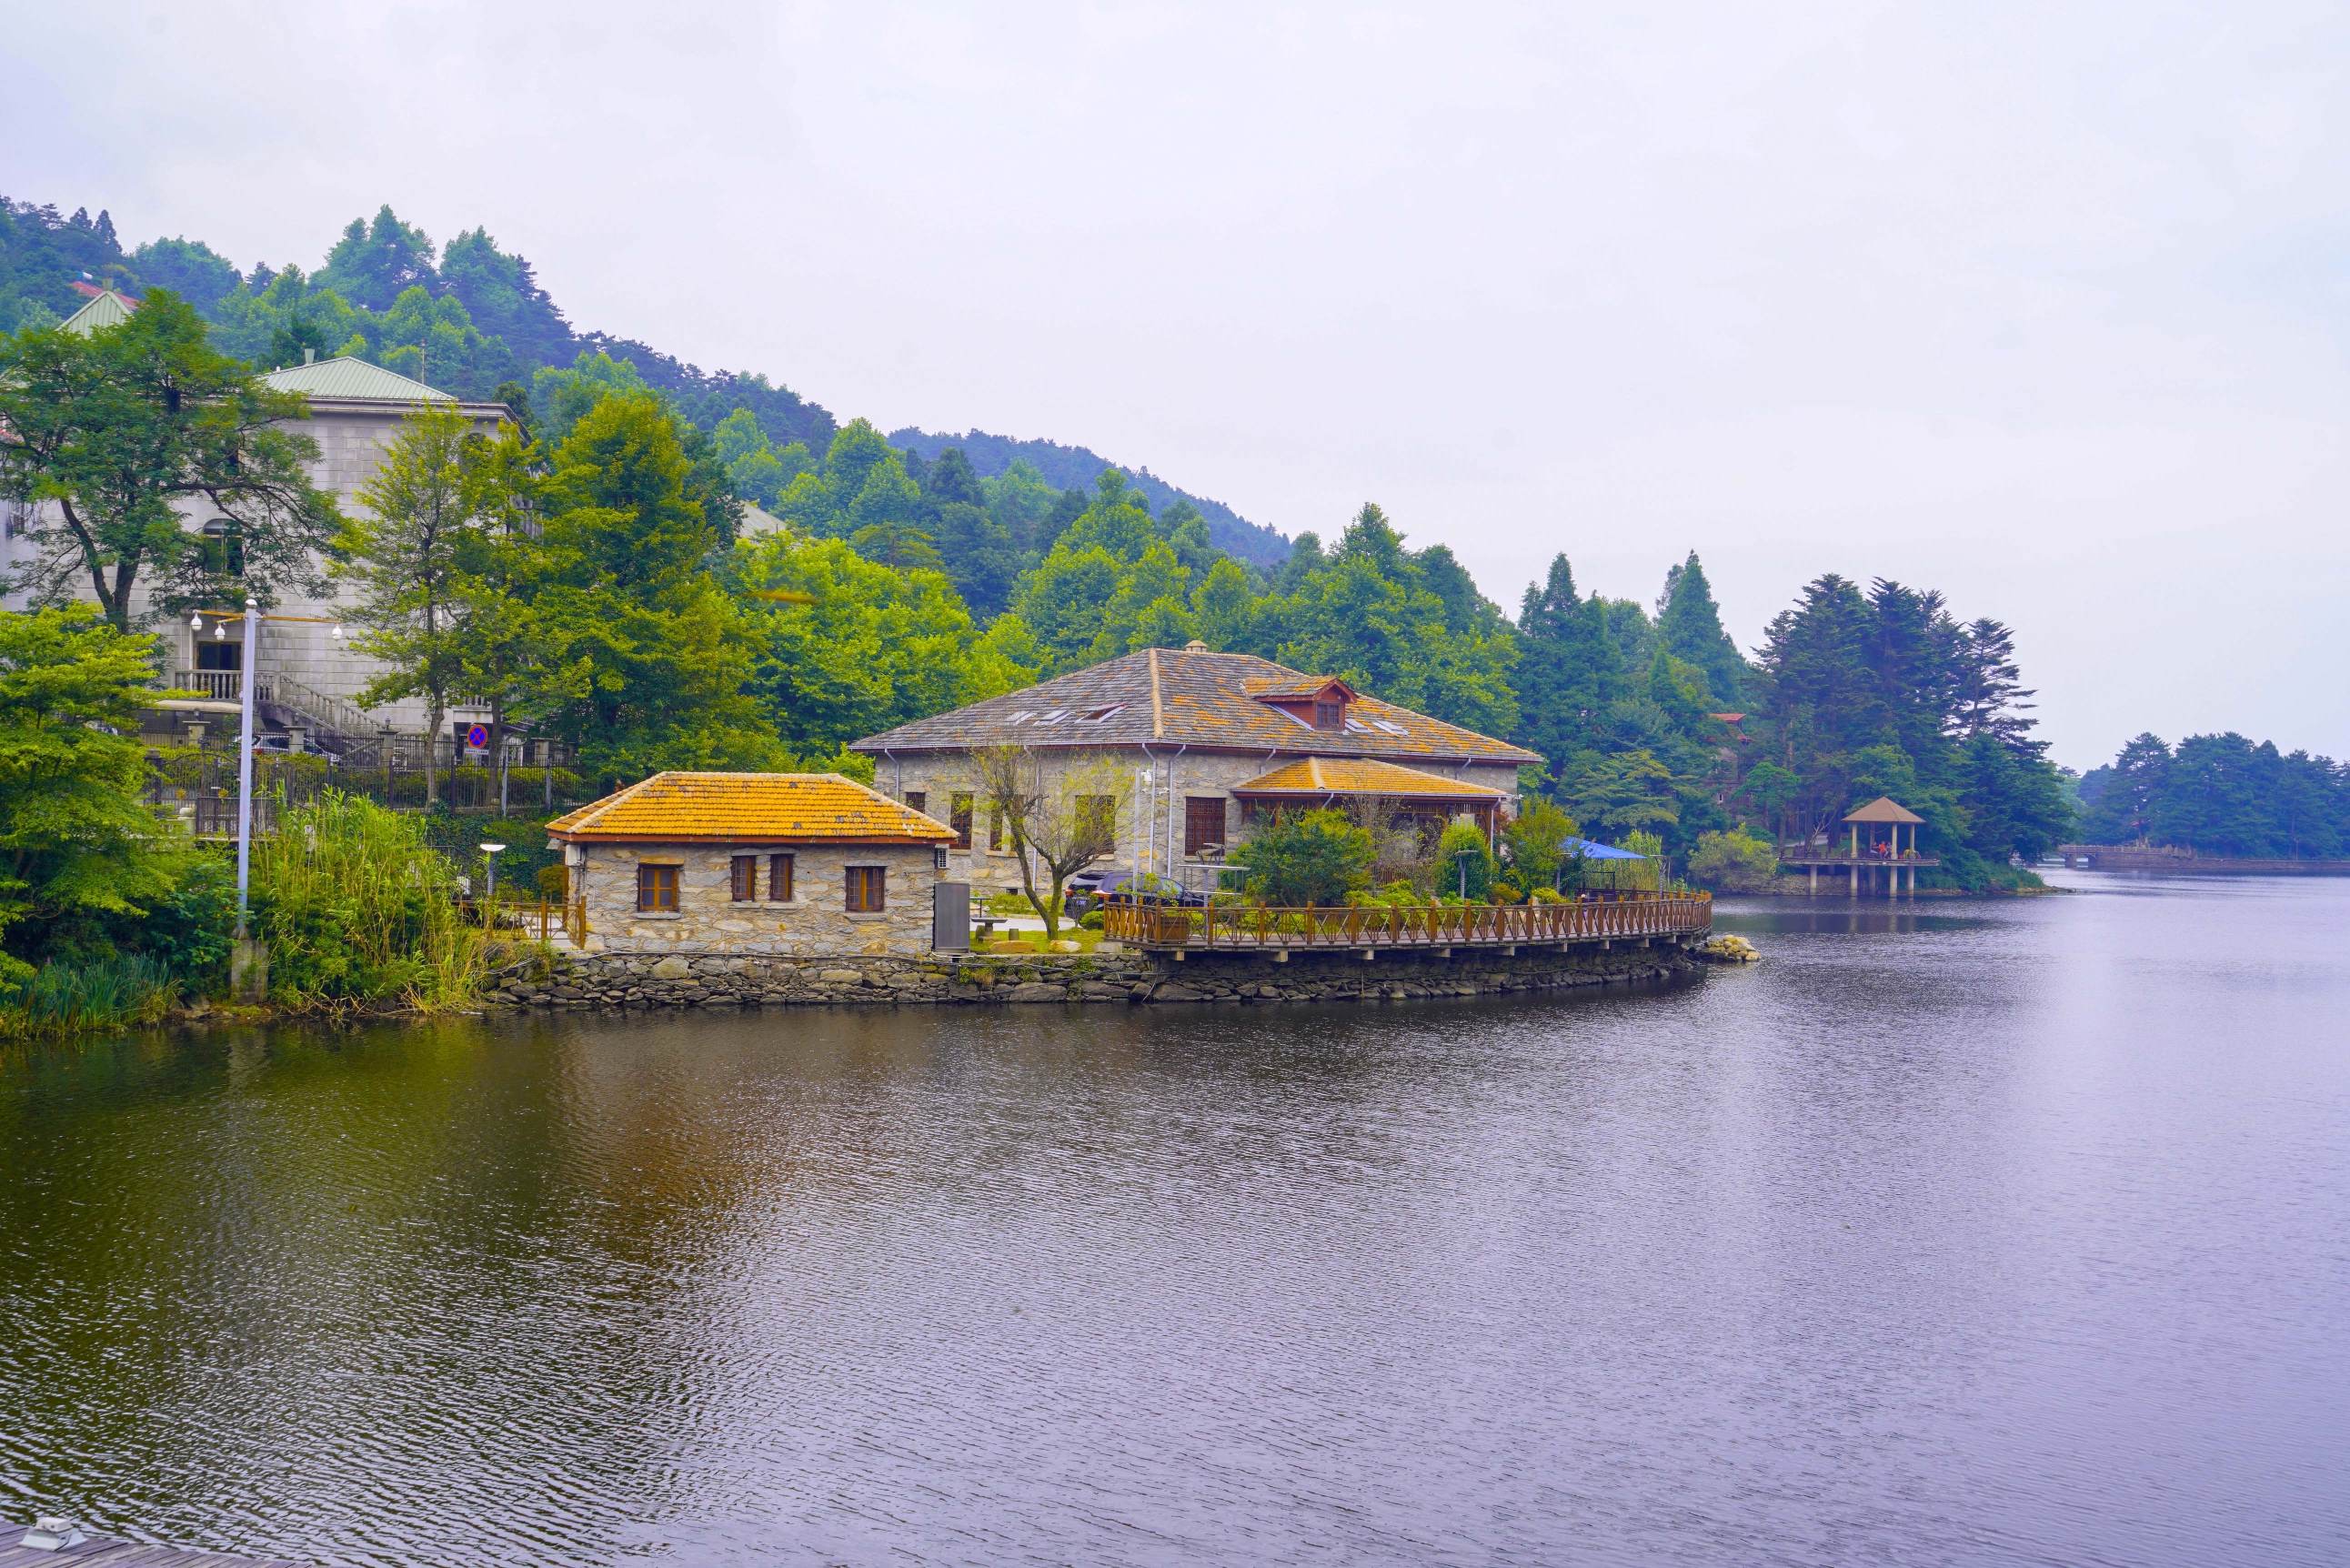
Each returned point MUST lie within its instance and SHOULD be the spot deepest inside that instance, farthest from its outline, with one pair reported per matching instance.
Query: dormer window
(1316, 702)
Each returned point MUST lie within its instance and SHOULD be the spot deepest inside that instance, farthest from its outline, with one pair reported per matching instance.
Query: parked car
(1128, 887)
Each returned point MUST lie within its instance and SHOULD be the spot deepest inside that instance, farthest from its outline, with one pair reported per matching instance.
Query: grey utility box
(950, 918)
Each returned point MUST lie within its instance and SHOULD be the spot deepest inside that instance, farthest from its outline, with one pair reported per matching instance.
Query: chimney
(308, 355)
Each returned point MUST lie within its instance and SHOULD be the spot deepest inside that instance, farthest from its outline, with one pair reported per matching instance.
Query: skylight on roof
(1023, 716)
(1055, 717)
(1391, 728)
(1099, 714)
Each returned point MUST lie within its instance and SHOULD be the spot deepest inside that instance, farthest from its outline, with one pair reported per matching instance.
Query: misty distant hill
(1063, 466)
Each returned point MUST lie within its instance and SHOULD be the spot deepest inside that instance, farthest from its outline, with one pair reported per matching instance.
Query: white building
(307, 678)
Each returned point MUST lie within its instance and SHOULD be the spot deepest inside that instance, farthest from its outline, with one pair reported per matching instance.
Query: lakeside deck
(1503, 928)
(1859, 866)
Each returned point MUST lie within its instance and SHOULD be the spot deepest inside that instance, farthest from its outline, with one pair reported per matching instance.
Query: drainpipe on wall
(1171, 860)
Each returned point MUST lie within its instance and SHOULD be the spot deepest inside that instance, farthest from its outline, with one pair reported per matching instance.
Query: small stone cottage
(811, 864)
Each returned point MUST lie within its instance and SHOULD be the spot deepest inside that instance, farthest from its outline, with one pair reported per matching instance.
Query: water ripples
(2006, 1233)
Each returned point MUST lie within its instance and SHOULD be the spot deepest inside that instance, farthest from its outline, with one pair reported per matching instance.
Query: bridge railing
(1472, 925)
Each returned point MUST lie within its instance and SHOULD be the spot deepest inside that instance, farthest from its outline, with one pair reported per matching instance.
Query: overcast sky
(2042, 306)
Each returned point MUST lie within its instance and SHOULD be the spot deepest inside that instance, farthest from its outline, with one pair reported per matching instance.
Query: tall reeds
(359, 910)
(118, 993)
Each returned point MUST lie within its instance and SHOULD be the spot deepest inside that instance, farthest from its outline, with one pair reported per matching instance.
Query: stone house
(1187, 749)
(308, 677)
(807, 865)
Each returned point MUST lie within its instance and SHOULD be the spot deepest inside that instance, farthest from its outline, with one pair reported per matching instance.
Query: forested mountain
(1063, 466)
(468, 318)
(2219, 794)
(945, 569)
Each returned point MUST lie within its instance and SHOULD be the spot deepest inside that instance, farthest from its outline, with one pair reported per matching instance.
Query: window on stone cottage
(918, 800)
(1329, 715)
(742, 877)
(657, 888)
(1203, 823)
(867, 888)
(959, 819)
(779, 878)
(996, 830)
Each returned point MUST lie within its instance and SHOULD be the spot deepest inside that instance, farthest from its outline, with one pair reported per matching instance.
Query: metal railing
(1602, 919)
(338, 715)
(214, 816)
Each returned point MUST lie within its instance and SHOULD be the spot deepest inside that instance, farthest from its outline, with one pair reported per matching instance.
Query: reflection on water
(1982, 1233)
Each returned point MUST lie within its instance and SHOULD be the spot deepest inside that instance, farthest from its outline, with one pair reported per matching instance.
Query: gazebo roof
(1883, 808)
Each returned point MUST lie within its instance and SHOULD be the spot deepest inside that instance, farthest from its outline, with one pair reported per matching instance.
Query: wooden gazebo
(1883, 820)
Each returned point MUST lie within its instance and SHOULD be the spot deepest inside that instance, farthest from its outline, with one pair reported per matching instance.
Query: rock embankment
(615, 981)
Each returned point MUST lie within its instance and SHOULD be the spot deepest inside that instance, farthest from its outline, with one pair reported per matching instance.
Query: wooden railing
(542, 919)
(1476, 925)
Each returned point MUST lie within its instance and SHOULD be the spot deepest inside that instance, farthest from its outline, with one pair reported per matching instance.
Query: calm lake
(2012, 1233)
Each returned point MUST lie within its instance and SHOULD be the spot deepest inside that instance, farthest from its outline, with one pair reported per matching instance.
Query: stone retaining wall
(637, 982)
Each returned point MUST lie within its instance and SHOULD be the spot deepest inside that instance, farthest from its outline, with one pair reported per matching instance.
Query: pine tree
(1689, 626)
(1568, 671)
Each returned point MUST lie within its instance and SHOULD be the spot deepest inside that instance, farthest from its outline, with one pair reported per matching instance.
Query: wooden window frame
(782, 879)
(1196, 808)
(996, 830)
(918, 800)
(959, 808)
(865, 890)
(652, 882)
(743, 879)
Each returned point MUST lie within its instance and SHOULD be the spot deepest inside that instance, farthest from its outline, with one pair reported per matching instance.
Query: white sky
(2042, 306)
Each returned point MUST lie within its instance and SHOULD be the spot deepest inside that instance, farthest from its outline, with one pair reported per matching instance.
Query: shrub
(191, 929)
(1464, 863)
(1734, 862)
(1306, 857)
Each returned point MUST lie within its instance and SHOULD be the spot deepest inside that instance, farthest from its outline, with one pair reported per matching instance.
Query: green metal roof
(109, 309)
(352, 379)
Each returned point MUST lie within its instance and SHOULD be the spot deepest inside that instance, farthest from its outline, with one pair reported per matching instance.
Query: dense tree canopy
(2220, 795)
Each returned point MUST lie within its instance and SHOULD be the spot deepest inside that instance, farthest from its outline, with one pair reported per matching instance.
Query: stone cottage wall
(815, 923)
(939, 776)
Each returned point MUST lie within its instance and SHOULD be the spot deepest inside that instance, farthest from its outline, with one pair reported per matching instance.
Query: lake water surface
(2012, 1233)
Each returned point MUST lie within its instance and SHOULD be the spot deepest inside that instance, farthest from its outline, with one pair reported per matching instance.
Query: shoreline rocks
(638, 983)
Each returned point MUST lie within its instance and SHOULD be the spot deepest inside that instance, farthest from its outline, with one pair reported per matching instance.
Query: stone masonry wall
(939, 776)
(815, 923)
(638, 983)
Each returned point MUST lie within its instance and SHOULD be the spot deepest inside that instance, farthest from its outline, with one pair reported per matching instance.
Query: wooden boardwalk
(1438, 928)
(94, 1550)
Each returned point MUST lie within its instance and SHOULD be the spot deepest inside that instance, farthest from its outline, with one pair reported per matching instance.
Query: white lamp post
(490, 852)
(244, 763)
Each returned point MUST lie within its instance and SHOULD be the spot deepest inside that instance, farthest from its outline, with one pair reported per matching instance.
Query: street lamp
(490, 852)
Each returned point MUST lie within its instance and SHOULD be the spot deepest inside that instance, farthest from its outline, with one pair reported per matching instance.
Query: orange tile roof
(1359, 775)
(800, 808)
